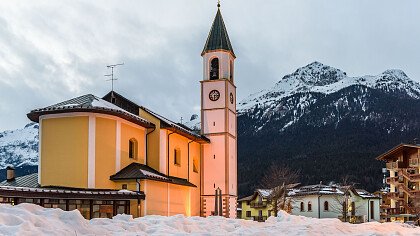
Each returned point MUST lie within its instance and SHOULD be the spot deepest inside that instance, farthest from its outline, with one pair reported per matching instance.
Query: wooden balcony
(259, 218)
(394, 211)
(258, 204)
(414, 162)
(415, 178)
(391, 165)
(396, 196)
(385, 206)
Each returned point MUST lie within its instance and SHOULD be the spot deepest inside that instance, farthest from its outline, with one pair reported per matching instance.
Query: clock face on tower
(214, 95)
(231, 98)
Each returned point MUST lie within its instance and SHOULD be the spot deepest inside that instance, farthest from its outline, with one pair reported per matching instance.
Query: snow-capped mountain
(326, 124)
(296, 91)
(19, 147)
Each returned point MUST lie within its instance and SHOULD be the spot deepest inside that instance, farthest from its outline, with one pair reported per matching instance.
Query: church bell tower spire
(218, 121)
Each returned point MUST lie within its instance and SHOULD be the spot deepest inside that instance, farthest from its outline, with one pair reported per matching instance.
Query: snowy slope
(19, 147)
(29, 219)
(319, 78)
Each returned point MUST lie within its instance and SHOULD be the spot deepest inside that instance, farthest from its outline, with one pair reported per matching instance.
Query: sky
(51, 51)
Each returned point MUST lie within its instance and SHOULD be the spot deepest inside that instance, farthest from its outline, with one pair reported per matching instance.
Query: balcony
(394, 211)
(391, 165)
(414, 162)
(392, 180)
(396, 196)
(385, 206)
(415, 177)
(258, 204)
(259, 218)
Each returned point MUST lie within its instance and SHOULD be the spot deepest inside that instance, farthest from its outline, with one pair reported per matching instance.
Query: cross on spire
(218, 3)
(112, 74)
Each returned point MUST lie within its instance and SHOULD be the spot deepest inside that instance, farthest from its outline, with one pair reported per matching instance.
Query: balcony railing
(415, 177)
(414, 162)
(394, 211)
(391, 165)
(385, 206)
(259, 218)
(258, 204)
(395, 195)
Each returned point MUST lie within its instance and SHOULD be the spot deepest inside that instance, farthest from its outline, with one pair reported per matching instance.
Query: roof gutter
(167, 163)
(147, 144)
(188, 176)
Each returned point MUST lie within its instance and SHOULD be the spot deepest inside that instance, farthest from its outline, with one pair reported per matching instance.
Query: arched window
(326, 206)
(302, 206)
(214, 69)
(309, 206)
(231, 71)
(132, 148)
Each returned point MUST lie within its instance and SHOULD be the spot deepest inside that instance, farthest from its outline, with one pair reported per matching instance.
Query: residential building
(403, 164)
(257, 207)
(323, 201)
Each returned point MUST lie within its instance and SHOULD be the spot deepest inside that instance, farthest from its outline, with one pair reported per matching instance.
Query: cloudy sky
(51, 51)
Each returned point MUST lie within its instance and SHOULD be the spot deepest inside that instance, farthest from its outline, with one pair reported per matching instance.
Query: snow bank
(29, 219)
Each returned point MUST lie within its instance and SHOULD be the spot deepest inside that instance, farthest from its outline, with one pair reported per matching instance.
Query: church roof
(218, 38)
(178, 128)
(140, 171)
(88, 103)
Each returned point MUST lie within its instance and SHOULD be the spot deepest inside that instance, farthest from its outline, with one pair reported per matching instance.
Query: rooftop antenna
(112, 74)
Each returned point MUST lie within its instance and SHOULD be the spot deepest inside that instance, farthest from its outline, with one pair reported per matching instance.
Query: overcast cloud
(51, 51)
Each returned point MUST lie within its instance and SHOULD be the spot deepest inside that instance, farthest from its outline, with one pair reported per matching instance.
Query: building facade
(109, 155)
(322, 201)
(257, 207)
(403, 198)
(316, 201)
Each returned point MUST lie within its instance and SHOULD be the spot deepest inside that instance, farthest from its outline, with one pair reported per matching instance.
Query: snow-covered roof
(177, 128)
(88, 103)
(319, 189)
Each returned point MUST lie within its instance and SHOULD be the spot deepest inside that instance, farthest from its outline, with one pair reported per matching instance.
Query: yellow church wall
(128, 132)
(153, 145)
(105, 152)
(60, 167)
(179, 142)
(179, 200)
(156, 202)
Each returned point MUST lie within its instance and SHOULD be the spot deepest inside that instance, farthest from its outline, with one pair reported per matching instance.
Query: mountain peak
(317, 74)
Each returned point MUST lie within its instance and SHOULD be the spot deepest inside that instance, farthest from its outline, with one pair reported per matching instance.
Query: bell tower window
(231, 71)
(214, 69)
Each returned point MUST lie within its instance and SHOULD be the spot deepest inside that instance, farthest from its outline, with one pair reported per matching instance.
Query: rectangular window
(124, 186)
(177, 156)
(195, 168)
(248, 213)
(372, 210)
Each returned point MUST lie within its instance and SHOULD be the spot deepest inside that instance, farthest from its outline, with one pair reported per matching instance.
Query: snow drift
(29, 219)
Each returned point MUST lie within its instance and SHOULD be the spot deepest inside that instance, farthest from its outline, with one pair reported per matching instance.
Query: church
(109, 155)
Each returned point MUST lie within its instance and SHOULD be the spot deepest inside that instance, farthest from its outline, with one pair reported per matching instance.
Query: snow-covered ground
(28, 219)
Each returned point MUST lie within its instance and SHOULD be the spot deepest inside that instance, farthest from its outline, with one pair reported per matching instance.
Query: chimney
(10, 173)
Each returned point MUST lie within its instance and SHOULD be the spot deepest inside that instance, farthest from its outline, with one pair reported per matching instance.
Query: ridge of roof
(88, 103)
(218, 38)
(396, 148)
(166, 123)
(141, 171)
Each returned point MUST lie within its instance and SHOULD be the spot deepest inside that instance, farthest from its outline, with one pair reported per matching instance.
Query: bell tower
(218, 122)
